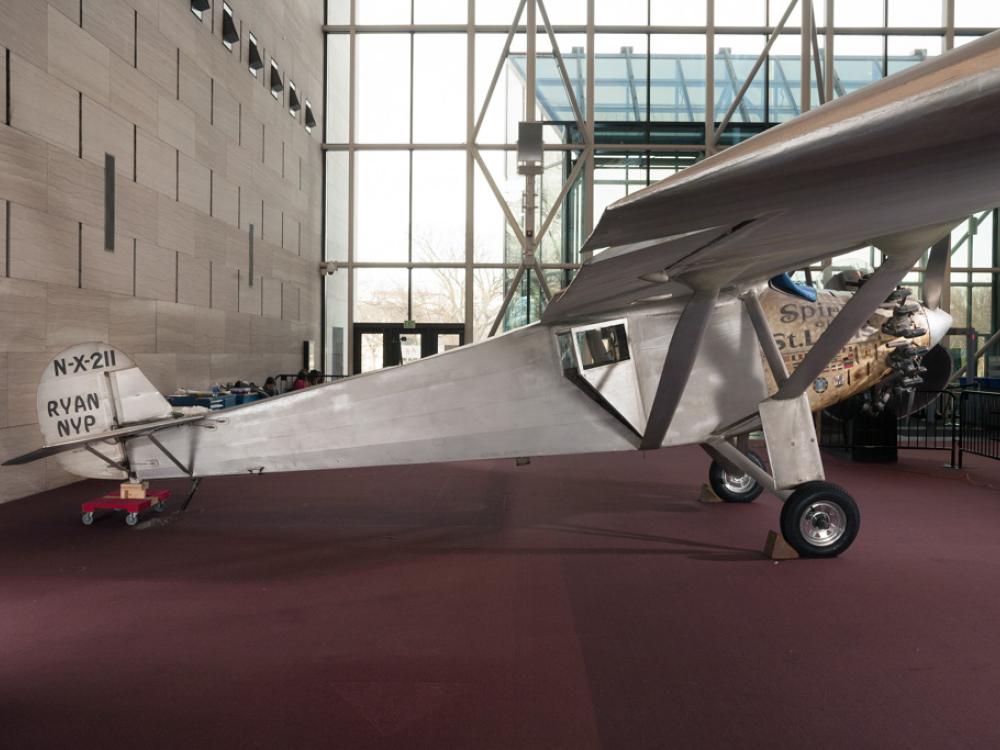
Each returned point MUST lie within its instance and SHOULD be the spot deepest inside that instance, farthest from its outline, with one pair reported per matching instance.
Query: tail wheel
(735, 486)
(820, 520)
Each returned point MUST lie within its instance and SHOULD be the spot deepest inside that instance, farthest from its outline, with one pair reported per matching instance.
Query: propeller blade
(937, 266)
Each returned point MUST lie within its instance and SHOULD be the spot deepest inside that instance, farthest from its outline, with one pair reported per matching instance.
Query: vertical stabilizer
(90, 389)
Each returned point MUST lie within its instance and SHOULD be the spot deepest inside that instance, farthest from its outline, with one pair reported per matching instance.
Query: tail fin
(88, 390)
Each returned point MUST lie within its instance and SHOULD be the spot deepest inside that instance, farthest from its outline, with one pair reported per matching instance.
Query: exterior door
(378, 345)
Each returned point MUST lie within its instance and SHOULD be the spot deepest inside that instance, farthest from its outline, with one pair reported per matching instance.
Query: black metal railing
(959, 421)
(935, 426)
(932, 427)
(979, 432)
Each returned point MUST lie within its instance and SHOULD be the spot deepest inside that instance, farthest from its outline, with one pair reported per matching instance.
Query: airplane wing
(917, 149)
(134, 430)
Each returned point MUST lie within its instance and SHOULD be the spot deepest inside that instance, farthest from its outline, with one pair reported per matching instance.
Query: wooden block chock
(777, 548)
(134, 490)
(708, 495)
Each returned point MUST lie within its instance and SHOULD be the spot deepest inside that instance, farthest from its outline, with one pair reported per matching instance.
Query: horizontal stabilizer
(135, 430)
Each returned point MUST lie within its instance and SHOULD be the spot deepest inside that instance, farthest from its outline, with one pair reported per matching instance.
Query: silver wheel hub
(737, 482)
(823, 523)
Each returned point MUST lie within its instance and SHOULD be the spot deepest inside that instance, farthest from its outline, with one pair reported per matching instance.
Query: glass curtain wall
(425, 208)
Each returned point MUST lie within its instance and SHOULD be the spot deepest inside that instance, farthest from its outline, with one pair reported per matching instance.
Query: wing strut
(683, 349)
(765, 337)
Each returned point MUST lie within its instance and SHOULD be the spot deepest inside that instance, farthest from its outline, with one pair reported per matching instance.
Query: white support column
(588, 173)
(530, 105)
(806, 71)
(817, 59)
(352, 99)
(710, 78)
(949, 24)
(828, 52)
(470, 168)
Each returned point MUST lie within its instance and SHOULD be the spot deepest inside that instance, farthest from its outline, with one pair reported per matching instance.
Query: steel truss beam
(511, 220)
(511, 31)
(511, 291)
(738, 99)
(460, 28)
(561, 63)
(528, 238)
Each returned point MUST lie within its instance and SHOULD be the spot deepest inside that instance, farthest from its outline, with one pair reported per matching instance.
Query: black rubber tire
(798, 504)
(716, 480)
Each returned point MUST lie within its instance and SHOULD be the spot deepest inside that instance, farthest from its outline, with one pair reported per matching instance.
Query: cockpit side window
(602, 346)
(566, 351)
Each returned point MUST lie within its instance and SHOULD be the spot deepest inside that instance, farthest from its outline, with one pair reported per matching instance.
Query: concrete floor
(573, 603)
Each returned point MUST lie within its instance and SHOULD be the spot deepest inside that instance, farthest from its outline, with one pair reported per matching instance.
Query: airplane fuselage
(539, 390)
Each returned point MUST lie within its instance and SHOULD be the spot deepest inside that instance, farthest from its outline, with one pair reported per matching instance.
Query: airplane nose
(938, 323)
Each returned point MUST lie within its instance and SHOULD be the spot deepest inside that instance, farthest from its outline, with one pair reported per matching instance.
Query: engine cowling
(886, 356)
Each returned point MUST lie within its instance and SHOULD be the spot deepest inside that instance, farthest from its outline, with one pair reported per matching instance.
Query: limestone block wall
(202, 151)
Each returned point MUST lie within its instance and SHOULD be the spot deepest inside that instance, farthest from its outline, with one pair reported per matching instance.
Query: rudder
(90, 389)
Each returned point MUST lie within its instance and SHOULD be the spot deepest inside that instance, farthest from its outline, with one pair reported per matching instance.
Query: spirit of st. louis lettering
(71, 413)
(792, 312)
(84, 363)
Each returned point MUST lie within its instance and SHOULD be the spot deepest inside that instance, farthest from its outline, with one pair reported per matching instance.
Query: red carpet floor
(573, 603)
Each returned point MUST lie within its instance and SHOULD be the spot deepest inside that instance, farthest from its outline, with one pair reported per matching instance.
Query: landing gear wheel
(820, 520)
(131, 519)
(735, 487)
(87, 518)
